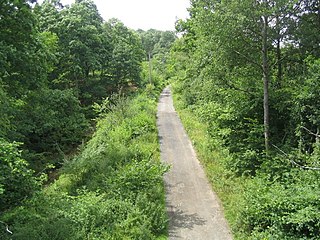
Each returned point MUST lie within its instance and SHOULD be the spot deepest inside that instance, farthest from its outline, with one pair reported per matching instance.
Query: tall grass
(112, 190)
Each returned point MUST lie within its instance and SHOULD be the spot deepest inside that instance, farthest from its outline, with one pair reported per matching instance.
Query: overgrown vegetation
(248, 73)
(246, 76)
(112, 190)
(67, 74)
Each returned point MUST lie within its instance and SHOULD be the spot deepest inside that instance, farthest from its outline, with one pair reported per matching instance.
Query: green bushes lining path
(112, 190)
(280, 202)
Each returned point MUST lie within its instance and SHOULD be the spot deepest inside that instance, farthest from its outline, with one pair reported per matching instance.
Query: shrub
(16, 179)
(112, 190)
(50, 122)
(290, 206)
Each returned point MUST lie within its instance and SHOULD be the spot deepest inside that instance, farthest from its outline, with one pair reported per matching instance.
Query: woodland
(79, 152)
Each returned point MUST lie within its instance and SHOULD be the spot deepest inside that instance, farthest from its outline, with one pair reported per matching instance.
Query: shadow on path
(180, 219)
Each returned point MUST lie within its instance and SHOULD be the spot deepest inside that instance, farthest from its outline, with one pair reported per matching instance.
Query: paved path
(193, 208)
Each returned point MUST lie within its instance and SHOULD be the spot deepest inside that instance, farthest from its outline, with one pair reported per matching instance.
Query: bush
(289, 206)
(16, 179)
(112, 190)
(50, 123)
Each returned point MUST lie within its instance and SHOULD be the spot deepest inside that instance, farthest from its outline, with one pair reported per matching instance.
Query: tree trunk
(266, 80)
(319, 14)
(279, 74)
(279, 62)
(150, 68)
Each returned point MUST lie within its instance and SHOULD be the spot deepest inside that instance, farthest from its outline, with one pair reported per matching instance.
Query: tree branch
(295, 163)
(247, 58)
(239, 89)
(7, 227)
(314, 134)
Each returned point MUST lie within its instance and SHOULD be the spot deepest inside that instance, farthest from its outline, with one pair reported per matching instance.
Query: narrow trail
(193, 208)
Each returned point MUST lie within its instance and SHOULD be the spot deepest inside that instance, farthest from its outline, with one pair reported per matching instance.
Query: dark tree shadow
(181, 220)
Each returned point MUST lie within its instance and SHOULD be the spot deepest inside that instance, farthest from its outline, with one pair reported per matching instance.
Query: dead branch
(312, 133)
(7, 227)
(295, 163)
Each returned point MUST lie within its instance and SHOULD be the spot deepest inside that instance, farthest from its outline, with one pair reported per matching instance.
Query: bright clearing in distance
(143, 14)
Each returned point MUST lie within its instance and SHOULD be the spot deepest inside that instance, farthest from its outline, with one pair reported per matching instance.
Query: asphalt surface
(193, 208)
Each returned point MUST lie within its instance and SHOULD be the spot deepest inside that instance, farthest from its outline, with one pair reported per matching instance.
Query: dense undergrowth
(250, 82)
(112, 190)
(280, 201)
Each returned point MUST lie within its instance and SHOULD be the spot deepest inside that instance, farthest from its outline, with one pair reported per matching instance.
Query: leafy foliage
(56, 62)
(112, 190)
(61, 119)
(290, 207)
(19, 49)
(226, 49)
(16, 179)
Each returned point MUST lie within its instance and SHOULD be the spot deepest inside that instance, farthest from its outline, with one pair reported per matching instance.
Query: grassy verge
(229, 188)
(112, 190)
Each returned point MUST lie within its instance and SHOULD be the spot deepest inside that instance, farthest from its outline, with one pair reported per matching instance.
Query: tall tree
(127, 55)
(80, 41)
(20, 48)
(156, 43)
(242, 37)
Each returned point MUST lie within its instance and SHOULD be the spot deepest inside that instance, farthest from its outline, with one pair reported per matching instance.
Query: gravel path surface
(193, 208)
